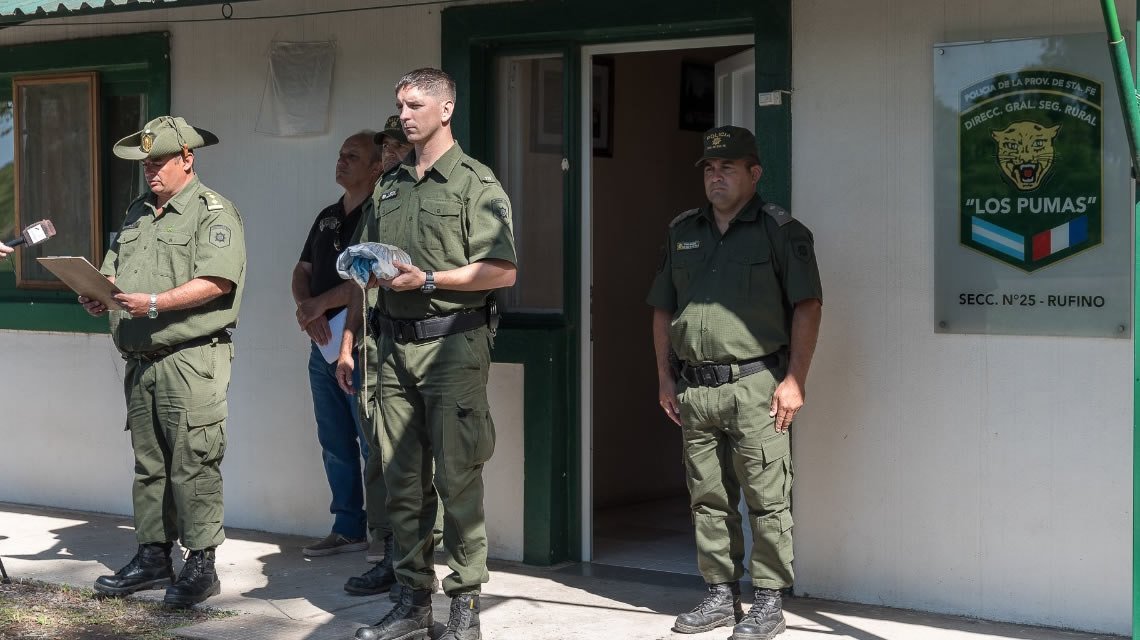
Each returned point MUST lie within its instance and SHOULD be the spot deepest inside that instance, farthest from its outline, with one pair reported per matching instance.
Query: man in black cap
(180, 260)
(736, 310)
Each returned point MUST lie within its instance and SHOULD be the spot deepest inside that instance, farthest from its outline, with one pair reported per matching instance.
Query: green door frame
(549, 348)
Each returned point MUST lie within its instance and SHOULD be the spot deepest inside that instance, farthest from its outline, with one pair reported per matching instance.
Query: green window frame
(137, 64)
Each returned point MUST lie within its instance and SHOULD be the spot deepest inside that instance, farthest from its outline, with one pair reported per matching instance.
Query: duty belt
(714, 375)
(404, 331)
(159, 354)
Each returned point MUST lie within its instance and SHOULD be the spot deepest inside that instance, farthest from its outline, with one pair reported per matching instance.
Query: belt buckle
(405, 330)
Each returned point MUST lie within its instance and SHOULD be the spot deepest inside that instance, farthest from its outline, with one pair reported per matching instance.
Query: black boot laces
(401, 610)
(460, 616)
(711, 601)
(192, 566)
(763, 606)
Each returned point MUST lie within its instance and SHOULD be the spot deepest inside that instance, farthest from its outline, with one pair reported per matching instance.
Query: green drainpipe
(1126, 88)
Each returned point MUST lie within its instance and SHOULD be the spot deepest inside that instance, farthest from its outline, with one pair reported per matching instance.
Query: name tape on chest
(389, 195)
(689, 244)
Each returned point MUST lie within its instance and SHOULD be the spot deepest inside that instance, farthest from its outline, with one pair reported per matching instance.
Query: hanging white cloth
(297, 89)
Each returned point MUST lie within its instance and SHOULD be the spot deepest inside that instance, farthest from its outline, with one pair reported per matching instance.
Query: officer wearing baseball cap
(180, 260)
(736, 311)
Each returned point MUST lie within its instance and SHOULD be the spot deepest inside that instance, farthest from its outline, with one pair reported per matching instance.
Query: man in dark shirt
(321, 295)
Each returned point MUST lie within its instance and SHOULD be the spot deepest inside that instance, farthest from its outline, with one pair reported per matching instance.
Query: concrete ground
(285, 596)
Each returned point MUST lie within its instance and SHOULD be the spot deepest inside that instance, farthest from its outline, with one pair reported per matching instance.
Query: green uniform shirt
(732, 296)
(456, 215)
(199, 234)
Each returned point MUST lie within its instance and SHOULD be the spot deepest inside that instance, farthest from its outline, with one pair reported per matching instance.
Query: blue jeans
(343, 444)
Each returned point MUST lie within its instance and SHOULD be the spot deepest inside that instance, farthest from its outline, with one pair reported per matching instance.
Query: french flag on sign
(1059, 238)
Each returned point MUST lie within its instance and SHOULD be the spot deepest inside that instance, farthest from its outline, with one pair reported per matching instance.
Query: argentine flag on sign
(997, 238)
(1060, 237)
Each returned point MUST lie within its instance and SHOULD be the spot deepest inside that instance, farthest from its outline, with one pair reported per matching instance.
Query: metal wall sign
(1032, 191)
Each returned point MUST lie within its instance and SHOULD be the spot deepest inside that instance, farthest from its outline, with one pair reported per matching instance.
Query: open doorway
(646, 136)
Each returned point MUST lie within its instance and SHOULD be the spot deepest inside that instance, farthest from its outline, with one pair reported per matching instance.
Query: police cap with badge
(728, 143)
(163, 136)
(392, 129)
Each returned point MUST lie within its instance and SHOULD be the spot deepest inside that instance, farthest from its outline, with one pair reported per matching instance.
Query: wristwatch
(152, 313)
(429, 282)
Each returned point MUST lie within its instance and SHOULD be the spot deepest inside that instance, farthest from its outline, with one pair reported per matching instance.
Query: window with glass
(530, 161)
(58, 122)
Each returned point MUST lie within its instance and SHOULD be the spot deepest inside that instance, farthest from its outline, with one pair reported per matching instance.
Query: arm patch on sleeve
(501, 209)
(802, 249)
(220, 236)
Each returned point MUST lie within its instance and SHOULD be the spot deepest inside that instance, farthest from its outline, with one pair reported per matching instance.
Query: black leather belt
(714, 375)
(404, 331)
(159, 354)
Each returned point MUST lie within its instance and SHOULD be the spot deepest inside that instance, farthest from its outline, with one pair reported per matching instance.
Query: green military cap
(163, 136)
(728, 143)
(392, 129)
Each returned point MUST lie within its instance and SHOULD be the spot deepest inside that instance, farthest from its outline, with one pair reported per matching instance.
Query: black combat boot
(720, 608)
(378, 579)
(410, 618)
(197, 581)
(765, 620)
(397, 589)
(463, 623)
(149, 569)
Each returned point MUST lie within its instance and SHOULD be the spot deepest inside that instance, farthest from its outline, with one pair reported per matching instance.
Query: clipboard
(83, 278)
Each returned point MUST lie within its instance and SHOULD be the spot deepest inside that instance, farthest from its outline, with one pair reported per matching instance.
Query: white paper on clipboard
(331, 351)
(83, 278)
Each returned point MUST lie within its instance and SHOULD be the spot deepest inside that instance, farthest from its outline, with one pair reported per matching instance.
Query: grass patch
(34, 609)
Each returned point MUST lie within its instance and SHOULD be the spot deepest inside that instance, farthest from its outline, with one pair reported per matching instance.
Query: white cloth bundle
(360, 261)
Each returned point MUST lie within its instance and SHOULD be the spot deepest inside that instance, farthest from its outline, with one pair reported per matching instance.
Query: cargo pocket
(207, 434)
(472, 432)
(776, 479)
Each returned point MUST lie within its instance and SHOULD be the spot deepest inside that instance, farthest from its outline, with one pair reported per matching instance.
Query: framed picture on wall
(698, 98)
(602, 109)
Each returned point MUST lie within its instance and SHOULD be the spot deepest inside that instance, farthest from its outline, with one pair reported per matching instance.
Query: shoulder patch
(213, 203)
(778, 213)
(687, 214)
(220, 236)
(502, 210)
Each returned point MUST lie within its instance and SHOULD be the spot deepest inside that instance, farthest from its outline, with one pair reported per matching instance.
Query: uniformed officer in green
(736, 311)
(394, 146)
(435, 325)
(180, 261)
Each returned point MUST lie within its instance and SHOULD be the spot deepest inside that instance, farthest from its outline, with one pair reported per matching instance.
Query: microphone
(34, 234)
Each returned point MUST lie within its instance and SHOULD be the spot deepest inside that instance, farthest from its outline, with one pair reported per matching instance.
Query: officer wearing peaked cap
(736, 311)
(180, 261)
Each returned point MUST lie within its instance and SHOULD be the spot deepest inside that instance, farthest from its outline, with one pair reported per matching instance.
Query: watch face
(153, 313)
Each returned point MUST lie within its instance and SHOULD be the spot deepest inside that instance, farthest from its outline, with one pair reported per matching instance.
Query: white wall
(985, 476)
(62, 427)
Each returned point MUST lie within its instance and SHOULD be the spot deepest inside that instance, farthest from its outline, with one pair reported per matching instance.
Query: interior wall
(648, 181)
(64, 404)
(989, 476)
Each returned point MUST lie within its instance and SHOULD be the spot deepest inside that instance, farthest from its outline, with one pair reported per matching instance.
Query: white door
(736, 90)
(736, 105)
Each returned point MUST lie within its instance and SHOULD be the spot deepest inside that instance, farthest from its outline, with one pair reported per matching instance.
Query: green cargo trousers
(434, 407)
(732, 444)
(375, 493)
(176, 413)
